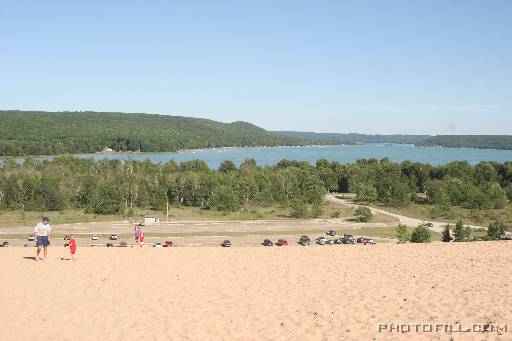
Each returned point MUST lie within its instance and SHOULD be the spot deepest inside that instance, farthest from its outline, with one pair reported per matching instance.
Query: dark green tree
(402, 233)
(495, 231)
(421, 234)
(446, 236)
(459, 234)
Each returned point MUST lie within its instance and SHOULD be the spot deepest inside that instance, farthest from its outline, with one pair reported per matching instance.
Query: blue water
(343, 154)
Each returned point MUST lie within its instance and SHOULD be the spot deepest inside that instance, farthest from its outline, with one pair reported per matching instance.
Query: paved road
(409, 221)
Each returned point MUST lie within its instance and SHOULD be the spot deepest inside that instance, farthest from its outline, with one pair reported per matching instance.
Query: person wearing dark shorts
(42, 235)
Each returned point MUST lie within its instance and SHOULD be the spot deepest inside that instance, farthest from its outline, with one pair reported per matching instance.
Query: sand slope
(291, 293)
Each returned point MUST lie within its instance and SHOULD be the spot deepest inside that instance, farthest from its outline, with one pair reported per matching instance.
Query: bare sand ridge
(288, 293)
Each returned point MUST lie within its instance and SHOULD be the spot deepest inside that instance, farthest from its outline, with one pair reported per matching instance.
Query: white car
(94, 237)
(113, 236)
(321, 241)
(157, 244)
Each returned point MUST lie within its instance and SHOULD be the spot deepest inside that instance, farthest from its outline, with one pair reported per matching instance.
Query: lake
(344, 154)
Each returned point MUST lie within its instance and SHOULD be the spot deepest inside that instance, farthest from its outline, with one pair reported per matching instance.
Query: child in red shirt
(72, 246)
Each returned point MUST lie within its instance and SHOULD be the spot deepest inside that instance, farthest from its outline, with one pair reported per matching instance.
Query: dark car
(429, 225)
(226, 243)
(4, 244)
(282, 242)
(338, 241)
(348, 239)
(268, 242)
(331, 233)
(304, 241)
(110, 244)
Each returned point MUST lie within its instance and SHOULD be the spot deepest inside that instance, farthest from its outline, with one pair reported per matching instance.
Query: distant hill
(356, 138)
(454, 141)
(469, 141)
(46, 133)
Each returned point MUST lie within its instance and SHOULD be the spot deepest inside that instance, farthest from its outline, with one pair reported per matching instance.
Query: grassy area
(468, 216)
(182, 213)
(22, 218)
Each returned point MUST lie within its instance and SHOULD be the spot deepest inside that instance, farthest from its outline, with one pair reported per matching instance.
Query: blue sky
(328, 66)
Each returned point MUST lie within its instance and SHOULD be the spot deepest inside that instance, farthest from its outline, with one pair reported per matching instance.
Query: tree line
(469, 141)
(52, 133)
(115, 186)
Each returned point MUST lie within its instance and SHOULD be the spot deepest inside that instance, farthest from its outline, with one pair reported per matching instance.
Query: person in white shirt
(42, 235)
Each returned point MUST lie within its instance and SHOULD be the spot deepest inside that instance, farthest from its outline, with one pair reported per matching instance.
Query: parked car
(110, 244)
(304, 241)
(282, 242)
(331, 233)
(348, 239)
(429, 225)
(321, 240)
(5, 244)
(338, 241)
(157, 244)
(364, 240)
(330, 241)
(113, 236)
(95, 237)
(506, 236)
(168, 243)
(123, 244)
(226, 243)
(30, 238)
(268, 242)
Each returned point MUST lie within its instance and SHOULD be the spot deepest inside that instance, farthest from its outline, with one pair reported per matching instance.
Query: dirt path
(409, 221)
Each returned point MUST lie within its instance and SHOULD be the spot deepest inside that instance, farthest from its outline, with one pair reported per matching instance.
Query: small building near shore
(150, 219)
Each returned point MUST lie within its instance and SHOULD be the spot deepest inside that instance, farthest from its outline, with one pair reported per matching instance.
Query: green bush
(495, 231)
(421, 234)
(446, 236)
(363, 214)
(402, 233)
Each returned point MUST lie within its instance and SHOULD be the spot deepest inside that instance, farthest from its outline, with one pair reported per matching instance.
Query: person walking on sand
(137, 233)
(43, 236)
(72, 246)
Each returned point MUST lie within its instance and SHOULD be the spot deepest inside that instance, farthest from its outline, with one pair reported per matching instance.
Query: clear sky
(327, 66)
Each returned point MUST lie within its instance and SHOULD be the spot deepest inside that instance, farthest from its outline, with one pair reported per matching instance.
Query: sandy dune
(289, 293)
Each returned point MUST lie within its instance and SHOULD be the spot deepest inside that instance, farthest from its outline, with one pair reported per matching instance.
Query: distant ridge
(353, 138)
(453, 141)
(47, 133)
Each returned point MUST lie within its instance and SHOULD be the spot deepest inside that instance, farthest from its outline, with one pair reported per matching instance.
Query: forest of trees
(115, 186)
(469, 141)
(454, 141)
(354, 138)
(53, 133)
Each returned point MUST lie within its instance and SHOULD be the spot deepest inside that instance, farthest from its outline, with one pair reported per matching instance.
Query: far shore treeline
(117, 187)
(53, 133)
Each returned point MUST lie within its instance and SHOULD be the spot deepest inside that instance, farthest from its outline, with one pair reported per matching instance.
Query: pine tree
(458, 233)
(402, 234)
(446, 236)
